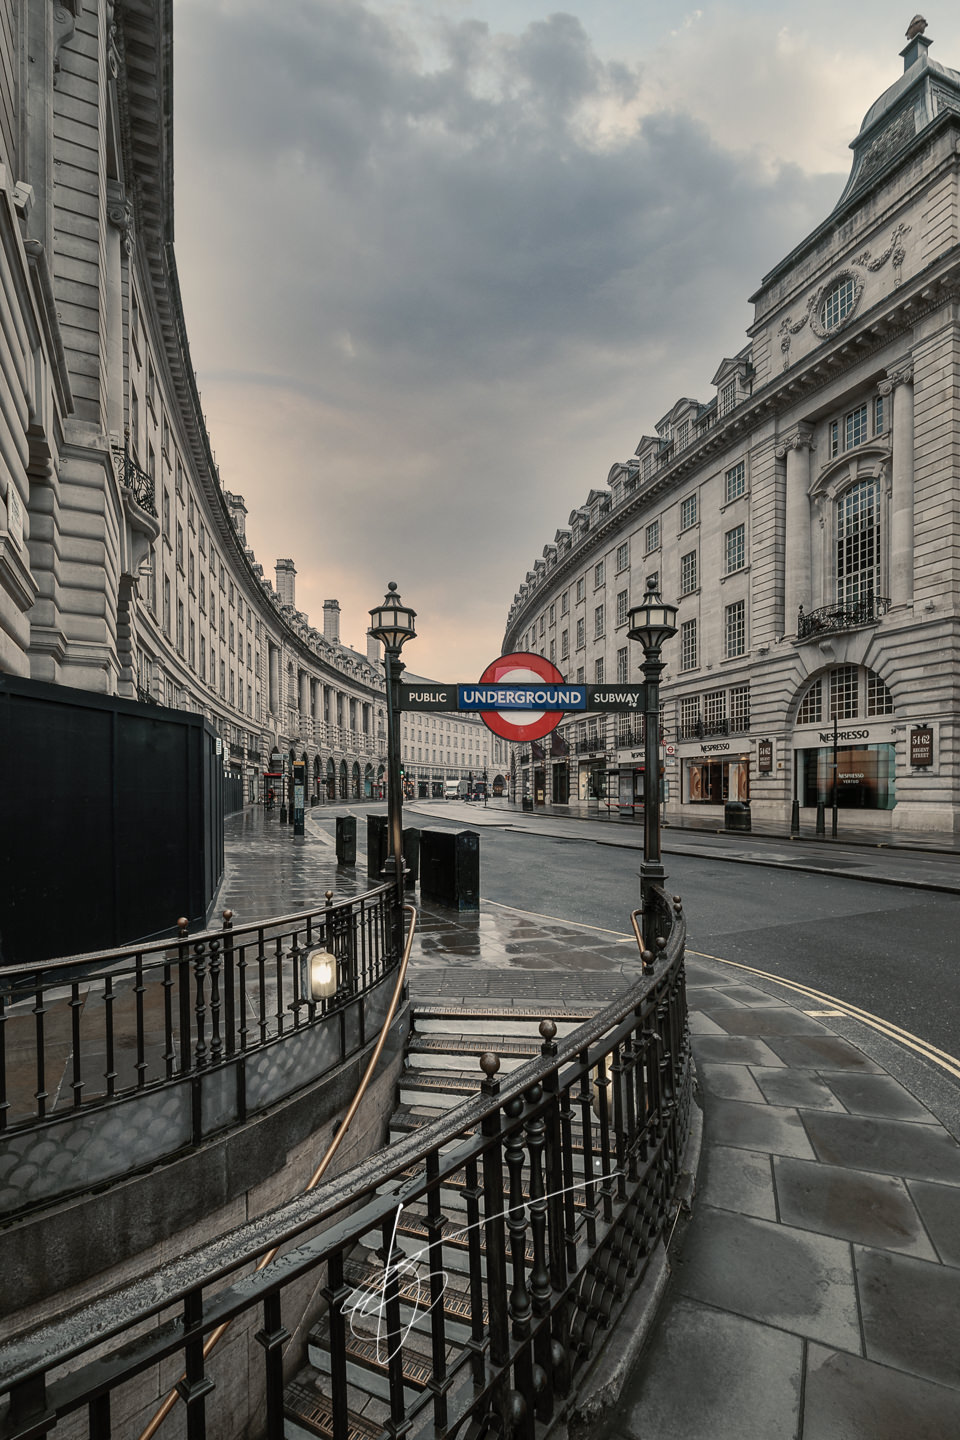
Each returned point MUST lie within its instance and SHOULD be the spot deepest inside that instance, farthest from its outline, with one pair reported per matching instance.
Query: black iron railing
(137, 481)
(554, 1185)
(146, 697)
(591, 742)
(865, 611)
(158, 1028)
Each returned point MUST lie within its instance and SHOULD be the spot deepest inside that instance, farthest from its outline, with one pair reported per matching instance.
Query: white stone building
(124, 567)
(439, 748)
(806, 519)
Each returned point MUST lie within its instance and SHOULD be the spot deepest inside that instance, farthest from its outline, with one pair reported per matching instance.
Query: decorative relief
(892, 138)
(120, 213)
(903, 376)
(801, 439)
(894, 251)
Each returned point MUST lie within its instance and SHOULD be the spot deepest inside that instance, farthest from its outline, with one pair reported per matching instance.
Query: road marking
(950, 1063)
(555, 920)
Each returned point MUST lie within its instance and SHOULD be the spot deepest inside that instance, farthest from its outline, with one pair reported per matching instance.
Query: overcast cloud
(443, 264)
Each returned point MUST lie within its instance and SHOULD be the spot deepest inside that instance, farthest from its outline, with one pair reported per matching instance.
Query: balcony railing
(137, 481)
(555, 1185)
(865, 611)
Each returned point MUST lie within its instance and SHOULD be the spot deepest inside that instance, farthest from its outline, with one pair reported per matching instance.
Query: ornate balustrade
(555, 1184)
(137, 481)
(865, 611)
(122, 1058)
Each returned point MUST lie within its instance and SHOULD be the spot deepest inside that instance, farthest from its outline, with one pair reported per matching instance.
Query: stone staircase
(442, 1070)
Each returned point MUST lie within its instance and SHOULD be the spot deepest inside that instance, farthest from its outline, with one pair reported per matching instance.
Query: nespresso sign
(921, 746)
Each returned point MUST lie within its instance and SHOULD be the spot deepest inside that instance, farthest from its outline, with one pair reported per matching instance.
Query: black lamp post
(392, 624)
(652, 622)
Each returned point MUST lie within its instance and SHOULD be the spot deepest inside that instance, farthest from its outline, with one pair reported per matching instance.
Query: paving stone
(787, 1278)
(939, 1207)
(783, 1020)
(730, 1082)
(879, 1095)
(821, 1052)
(756, 1127)
(892, 1147)
(848, 1398)
(738, 1180)
(910, 1309)
(747, 995)
(733, 1050)
(850, 1204)
(701, 1024)
(802, 1088)
(711, 1374)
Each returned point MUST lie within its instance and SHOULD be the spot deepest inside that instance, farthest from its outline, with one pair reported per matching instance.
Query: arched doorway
(356, 780)
(499, 784)
(381, 782)
(344, 781)
(331, 780)
(858, 770)
(316, 777)
(368, 782)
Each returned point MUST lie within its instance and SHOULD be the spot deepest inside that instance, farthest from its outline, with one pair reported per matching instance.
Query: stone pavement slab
(847, 1398)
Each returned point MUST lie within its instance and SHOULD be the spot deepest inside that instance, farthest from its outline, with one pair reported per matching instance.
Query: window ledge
(732, 574)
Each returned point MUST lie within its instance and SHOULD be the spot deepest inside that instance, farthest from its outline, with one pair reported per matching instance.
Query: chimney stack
(286, 581)
(238, 513)
(374, 650)
(331, 621)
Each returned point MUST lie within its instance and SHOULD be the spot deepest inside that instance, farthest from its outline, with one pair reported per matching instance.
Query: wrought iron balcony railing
(137, 481)
(865, 611)
(554, 1186)
(146, 697)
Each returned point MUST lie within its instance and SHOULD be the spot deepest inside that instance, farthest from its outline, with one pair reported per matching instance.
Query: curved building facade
(805, 518)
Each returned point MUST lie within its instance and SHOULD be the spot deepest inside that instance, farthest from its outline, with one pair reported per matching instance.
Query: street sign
(522, 715)
(511, 696)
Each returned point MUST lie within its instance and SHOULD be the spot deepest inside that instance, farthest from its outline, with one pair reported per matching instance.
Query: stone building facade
(124, 562)
(806, 519)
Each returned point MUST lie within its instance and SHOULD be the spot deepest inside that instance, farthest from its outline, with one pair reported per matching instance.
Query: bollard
(821, 818)
(377, 841)
(795, 818)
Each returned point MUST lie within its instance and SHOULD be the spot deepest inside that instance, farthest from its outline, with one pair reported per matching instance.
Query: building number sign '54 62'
(522, 697)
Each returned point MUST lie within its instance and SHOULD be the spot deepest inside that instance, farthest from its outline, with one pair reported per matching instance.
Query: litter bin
(346, 840)
(411, 854)
(736, 816)
(527, 802)
(450, 868)
(376, 846)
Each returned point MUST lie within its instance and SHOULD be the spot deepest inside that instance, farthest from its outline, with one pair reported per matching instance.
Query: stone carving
(64, 24)
(901, 129)
(903, 376)
(801, 439)
(894, 252)
(120, 213)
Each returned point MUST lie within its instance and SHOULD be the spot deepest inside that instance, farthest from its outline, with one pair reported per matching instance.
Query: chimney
(331, 621)
(374, 649)
(286, 581)
(238, 513)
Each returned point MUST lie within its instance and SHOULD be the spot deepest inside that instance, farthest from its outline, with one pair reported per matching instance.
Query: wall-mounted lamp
(319, 973)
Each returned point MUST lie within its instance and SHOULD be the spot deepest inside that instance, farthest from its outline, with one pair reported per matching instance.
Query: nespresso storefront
(713, 773)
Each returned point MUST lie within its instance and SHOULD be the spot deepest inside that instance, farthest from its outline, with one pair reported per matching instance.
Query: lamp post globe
(392, 623)
(652, 623)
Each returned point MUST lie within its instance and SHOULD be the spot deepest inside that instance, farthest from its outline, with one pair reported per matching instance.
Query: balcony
(865, 611)
(137, 481)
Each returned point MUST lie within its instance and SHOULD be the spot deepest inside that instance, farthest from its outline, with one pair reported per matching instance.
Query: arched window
(847, 692)
(858, 543)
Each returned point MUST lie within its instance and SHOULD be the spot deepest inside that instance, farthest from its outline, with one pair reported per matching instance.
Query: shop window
(865, 777)
(735, 482)
(735, 629)
(858, 543)
(843, 693)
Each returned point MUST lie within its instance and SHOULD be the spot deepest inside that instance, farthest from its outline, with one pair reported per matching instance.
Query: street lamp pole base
(652, 876)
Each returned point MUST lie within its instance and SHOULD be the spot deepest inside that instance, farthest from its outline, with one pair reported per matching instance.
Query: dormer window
(683, 434)
(728, 396)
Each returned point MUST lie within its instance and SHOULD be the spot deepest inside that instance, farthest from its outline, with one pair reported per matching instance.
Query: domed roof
(922, 92)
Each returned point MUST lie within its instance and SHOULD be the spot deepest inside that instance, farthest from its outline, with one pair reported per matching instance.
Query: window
(623, 555)
(180, 626)
(735, 546)
(834, 436)
(565, 602)
(715, 712)
(739, 709)
(879, 418)
(191, 513)
(232, 641)
(581, 674)
(688, 573)
(688, 645)
(166, 605)
(192, 652)
(223, 678)
(811, 706)
(581, 588)
(203, 657)
(203, 591)
(688, 512)
(598, 574)
(598, 622)
(179, 546)
(727, 398)
(858, 543)
(166, 513)
(203, 540)
(683, 434)
(543, 624)
(223, 623)
(838, 304)
(581, 633)
(855, 428)
(843, 693)
(622, 607)
(622, 666)
(879, 699)
(690, 715)
(553, 652)
(652, 536)
(647, 467)
(735, 629)
(564, 644)
(553, 614)
(191, 571)
(736, 482)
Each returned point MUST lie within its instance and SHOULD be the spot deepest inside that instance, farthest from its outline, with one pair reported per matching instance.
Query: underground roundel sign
(523, 678)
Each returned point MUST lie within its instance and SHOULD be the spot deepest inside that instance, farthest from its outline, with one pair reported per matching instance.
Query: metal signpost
(299, 787)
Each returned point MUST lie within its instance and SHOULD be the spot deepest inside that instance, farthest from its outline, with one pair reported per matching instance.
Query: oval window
(838, 304)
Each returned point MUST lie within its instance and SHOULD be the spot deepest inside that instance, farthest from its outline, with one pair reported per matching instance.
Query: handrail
(217, 1335)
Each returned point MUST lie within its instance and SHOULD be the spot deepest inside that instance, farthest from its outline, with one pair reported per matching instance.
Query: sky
(444, 262)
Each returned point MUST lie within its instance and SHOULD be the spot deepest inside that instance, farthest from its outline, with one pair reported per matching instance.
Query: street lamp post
(652, 623)
(392, 624)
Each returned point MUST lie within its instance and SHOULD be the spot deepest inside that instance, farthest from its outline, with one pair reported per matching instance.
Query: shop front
(859, 773)
(629, 781)
(593, 779)
(714, 772)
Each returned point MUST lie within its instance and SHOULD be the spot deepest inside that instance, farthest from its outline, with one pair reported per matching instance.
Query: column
(899, 385)
(304, 698)
(274, 680)
(796, 574)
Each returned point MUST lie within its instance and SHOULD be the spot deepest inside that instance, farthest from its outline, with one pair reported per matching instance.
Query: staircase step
(367, 1364)
(501, 1019)
(439, 1089)
(308, 1411)
(436, 1051)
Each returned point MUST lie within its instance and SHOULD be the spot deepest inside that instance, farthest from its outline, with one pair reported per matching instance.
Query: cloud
(431, 301)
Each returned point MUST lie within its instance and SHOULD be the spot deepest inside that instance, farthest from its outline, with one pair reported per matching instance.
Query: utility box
(377, 845)
(450, 868)
(411, 854)
(346, 840)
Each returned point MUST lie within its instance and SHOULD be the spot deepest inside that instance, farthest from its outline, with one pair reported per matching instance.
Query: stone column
(304, 695)
(273, 700)
(796, 570)
(899, 385)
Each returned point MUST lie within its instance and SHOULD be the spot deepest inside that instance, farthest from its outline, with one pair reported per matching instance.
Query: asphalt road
(888, 949)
